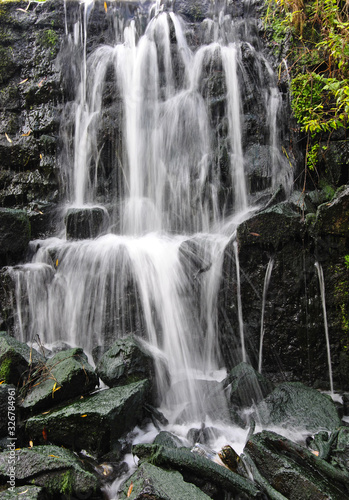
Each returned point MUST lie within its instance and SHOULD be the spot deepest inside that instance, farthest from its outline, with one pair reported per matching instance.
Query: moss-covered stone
(64, 376)
(298, 406)
(93, 423)
(152, 482)
(55, 469)
(26, 492)
(16, 358)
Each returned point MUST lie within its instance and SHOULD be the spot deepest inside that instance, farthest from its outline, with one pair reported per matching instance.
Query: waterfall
(155, 135)
(265, 291)
(323, 302)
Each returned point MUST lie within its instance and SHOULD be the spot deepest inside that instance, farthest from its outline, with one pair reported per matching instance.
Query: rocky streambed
(71, 437)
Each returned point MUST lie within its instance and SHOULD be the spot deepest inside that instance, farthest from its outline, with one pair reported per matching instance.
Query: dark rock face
(294, 342)
(14, 235)
(83, 223)
(31, 96)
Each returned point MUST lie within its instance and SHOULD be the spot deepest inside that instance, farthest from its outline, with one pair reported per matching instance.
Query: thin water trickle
(239, 302)
(323, 302)
(264, 298)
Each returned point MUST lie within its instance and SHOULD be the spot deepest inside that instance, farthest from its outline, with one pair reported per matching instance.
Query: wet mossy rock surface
(57, 470)
(152, 482)
(64, 376)
(293, 404)
(16, 359)
(95, 422)
(31, 98)
(127, 360)
(293, 236)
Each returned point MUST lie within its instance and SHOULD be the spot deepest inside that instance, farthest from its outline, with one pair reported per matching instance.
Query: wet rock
(192, 464)
(270, 228)
(55, 469)
(292, 470)
(152, 482)
(64, 376)
(340, 450)
(167, 439)
(127, 360)
(193, 10)
(14, 235)
(244, 386)
(333, 218)
(16, 358)
(293, 404)
(26, 492)
(93, 423)
(83, 223)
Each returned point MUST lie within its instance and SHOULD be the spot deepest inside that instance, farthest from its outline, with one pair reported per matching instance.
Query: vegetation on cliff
(318, 62)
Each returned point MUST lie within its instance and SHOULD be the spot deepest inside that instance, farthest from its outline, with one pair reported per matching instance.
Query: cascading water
(155, 135)
(323, 302)
(264, 298)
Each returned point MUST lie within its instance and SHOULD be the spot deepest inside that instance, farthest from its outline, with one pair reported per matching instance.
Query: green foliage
(319, 64)
(346, 260)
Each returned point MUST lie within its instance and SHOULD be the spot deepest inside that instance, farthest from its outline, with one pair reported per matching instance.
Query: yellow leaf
(23, 81)
(45, 412)
(28, 133)
(57, 263)
(2, 382)
(55, 388)
(7, 137)
(22, 492)
(54, 456)
(130, 490)
(105, 6)
(40, 156)
(83, 416)
(31, 444)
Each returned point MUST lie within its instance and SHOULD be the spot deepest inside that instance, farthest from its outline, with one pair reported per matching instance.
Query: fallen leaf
(44, 434)
(2, 382)
(55, 388)
(23, 81)
(22, 492)
(130, 490)
(254, 234)
(57, 263)
(105, 6)
(28, 133)
(41, 82)
(7, 137)
(40, 156)
(45, 412)
(31, 444)
(314, 452)
(82, 416)
(54, 456)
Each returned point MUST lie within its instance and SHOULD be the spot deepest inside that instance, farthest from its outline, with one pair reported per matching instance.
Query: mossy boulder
(152, 482)
(16, 358)
(64, 376)
(93, 423)
(53, 468)
(27, 492)
(244, 386)
(14, 235)
(293, 404)
(128, 360)
(294, 471)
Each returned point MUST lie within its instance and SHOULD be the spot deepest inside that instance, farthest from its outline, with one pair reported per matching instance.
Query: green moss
(5, 370)
(48, 38)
